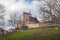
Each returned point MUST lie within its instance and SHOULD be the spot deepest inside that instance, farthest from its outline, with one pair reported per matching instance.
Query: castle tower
(26, 17)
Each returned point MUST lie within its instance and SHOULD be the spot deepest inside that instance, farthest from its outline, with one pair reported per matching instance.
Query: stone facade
(28, 21)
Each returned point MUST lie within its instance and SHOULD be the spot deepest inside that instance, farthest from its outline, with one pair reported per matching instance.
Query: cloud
(21, 5)
(16, 4)
(12, 6)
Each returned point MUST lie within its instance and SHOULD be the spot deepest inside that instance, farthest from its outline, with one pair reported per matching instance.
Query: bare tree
(2, 10)
(51, 10)
(13, 17)
(16, 20)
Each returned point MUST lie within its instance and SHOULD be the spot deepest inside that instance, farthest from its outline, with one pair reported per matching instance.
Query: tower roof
(27, 13)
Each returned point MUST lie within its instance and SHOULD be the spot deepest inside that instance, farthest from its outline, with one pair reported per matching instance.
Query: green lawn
(34, 34)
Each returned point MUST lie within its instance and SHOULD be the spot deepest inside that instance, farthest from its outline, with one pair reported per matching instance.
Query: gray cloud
(12, 6)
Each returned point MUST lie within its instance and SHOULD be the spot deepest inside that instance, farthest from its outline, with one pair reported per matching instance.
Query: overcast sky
(19, 6)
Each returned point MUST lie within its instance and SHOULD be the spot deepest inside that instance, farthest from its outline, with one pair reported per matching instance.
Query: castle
(28, 21)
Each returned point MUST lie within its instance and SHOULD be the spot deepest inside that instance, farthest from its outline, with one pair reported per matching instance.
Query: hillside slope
(34, 34)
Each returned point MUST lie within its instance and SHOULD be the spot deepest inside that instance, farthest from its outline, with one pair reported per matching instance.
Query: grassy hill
(34, 34)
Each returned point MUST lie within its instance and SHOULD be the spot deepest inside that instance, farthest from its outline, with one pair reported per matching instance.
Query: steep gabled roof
(33, 19)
